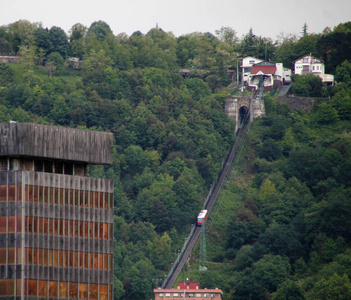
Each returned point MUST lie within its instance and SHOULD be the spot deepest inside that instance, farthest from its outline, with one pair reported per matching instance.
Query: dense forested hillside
(282, 225)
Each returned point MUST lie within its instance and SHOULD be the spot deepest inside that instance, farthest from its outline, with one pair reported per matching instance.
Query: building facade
(246, 67)
(56, 224)
(189, 291)
(309, 64)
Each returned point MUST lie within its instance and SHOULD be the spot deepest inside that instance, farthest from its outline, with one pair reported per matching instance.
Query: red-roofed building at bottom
(189, 291)
(273, 76)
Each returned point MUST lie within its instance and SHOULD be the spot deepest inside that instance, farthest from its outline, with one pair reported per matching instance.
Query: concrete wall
(296, 103)
(53, 142)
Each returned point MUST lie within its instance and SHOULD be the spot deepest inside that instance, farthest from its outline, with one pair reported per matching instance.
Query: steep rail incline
(209, 203)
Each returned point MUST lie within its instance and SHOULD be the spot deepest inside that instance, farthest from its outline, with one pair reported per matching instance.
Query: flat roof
(54, 142)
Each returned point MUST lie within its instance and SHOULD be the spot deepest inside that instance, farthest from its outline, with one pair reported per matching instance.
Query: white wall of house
(246, 66)
(287, 75)
(309, 64)
(279, 70)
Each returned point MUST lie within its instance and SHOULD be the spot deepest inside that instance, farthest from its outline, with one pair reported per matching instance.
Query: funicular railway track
(195, 231)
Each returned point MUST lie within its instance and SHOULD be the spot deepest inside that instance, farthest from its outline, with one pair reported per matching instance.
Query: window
(175, 294)
(93, 291)
(32, 287)
(12, 193)
(2, 193)
(11, 256)
(7, 287)
(73, 290)
(58, 167)
(2, 257)
(63, 291)
(3, 164)
(168, 295)
(103, 291)
(12, 224)
(3, 224)
(206, 295)
(305, 60)
(43, 288)
(198, 295)
(83, 291)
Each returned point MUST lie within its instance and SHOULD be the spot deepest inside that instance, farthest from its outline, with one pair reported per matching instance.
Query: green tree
(326, 113)
(59, 41)
(289, 290)
(100, 29)
(304, 29)
(94, 67)
(43, 39)
(227, 35)
(336, 287)
(307, 85)
(343, 72)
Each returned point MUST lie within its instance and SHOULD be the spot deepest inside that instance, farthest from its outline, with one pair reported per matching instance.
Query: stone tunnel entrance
(244, 109)
(244, 115)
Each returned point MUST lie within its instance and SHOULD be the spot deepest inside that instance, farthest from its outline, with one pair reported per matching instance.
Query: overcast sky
(267, 18)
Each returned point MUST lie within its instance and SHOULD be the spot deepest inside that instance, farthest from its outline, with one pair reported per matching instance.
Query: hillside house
(188, 290)
(309, 64)
(273, 75)
(247, 65)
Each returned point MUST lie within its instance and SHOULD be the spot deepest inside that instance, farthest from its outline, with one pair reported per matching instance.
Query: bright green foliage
(336, 287)
(289, 290)
(307, 85)
(264, 276)
(326, 113)
(342, 103)
(343, 72)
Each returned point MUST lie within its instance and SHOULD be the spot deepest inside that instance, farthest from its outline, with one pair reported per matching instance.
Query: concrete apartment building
(56, 224)
(189, 291)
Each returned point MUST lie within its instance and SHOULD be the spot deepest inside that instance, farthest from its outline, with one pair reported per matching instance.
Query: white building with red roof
(189, 291)
(272, 75)
(246, 67)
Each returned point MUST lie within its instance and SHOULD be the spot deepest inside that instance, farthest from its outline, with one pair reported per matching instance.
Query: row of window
(56, 258)
(55, 289)
(50, 195)
(69, 228)
(197, 295)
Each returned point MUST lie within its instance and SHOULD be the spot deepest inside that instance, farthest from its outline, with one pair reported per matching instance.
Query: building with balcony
(189, 291)
(56, 223)
(309, 64)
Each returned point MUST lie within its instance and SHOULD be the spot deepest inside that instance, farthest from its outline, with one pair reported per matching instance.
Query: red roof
(264, 69)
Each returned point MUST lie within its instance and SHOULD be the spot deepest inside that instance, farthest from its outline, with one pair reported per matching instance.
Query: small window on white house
(305, 60)
(251, 62)
(313, 68)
